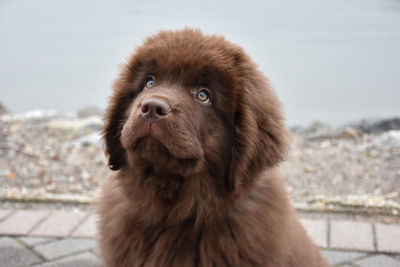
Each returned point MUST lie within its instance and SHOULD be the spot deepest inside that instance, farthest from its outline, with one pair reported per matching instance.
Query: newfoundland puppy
(194, 134)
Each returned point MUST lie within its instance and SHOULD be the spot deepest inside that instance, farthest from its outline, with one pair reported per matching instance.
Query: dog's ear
(260, 137)
(115, 117)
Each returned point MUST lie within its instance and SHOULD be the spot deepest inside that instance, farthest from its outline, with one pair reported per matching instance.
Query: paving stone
(4, 213)
(59, 224)
(378, 261)
(388, 237)
(87, 229)
(317, 230)
(13, 254)
(337, 257)
(33, 241)
(96, 250)
(85, 259)
(21, 222)
(64, 247)
(351, 235)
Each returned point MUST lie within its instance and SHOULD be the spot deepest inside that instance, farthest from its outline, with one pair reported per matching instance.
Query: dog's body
(195, 134)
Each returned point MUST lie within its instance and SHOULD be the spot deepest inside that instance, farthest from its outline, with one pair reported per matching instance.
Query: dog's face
(188, 103)
(173, 123)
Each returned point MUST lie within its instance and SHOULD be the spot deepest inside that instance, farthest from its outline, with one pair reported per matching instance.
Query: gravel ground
(51, 157)
(362, 170)
(46, 157)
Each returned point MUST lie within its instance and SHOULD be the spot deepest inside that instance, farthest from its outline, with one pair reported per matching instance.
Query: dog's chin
(152, 151)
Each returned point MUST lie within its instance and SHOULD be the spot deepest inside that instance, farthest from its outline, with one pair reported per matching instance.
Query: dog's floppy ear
(115, 117)
(260, 137)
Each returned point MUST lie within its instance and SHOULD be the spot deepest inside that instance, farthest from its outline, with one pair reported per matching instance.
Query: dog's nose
(154, 109)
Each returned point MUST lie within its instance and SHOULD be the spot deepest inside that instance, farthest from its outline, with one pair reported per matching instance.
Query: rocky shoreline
(49, 157)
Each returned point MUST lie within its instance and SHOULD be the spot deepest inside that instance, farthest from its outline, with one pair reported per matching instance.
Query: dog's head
(186, 102)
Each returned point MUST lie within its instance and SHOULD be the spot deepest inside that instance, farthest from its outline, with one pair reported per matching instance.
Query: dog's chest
(182, 246)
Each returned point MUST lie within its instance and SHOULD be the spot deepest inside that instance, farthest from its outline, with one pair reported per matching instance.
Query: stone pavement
(67, 238)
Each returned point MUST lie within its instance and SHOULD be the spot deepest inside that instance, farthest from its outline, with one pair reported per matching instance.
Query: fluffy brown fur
(201, 185)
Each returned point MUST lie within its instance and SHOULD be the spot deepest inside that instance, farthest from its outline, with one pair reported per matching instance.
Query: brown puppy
(195, 134)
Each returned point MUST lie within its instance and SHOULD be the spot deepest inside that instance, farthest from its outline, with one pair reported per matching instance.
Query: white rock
(91, 139)
(75, 124)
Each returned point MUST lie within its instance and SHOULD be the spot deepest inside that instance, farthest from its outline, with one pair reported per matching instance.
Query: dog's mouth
(166, 145)
(151, 140)
(156, 153)
(149, 147)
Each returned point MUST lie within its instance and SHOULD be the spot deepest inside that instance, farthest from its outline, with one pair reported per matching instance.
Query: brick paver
(317, 230)
(338, 257)
(13, 254)
(33, 241)
(87, 229)
(85, 259)
(67, 238)
(4, 213)
(388, 237)
(351, 235)
(64, 247)
(378, 261)
(21, 222)
(59, 223)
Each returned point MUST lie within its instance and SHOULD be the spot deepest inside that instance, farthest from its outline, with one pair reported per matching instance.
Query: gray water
(329, 60)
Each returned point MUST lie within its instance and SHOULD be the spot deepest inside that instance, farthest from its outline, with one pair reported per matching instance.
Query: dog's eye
(150, 81)
(203, 95)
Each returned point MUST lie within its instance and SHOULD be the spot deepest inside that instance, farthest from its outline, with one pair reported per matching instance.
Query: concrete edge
(316, 205)
(65, 199)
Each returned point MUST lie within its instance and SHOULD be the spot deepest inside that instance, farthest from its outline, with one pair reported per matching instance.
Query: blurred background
(334, 64)
(333, 61)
